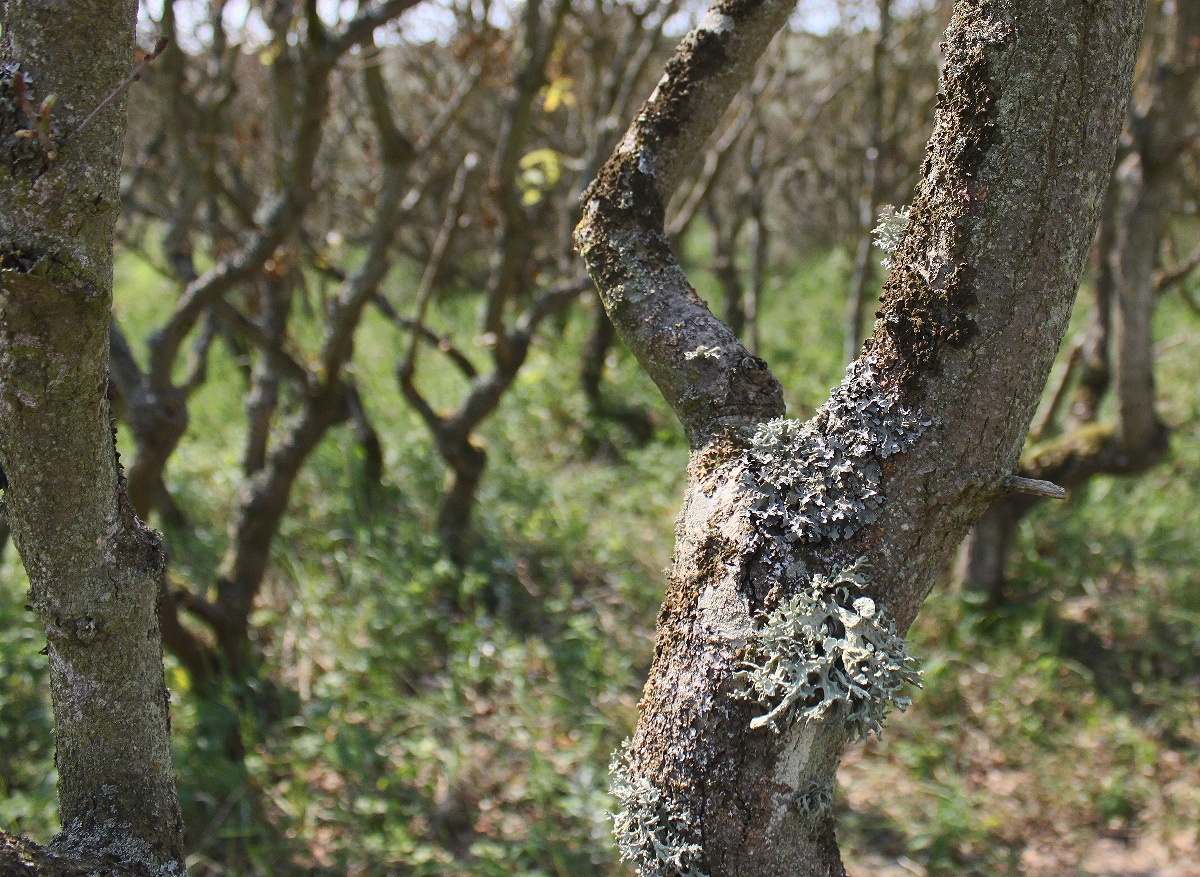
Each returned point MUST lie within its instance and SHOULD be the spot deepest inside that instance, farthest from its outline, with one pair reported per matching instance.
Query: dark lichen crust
(821, 480)
(927, 297)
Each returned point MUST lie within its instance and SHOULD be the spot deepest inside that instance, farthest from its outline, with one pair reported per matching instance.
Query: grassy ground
(1058, 736)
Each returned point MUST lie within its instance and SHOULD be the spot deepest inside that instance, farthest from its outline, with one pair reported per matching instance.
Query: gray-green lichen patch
(115, 844)
(821, 480)
(653, 831)
(828, 652)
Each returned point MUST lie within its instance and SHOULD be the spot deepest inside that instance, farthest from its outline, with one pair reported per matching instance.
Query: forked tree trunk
(805, 550)
(466, 462)
(94, 570)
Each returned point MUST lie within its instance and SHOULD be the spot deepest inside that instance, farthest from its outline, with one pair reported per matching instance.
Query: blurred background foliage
(417, 692)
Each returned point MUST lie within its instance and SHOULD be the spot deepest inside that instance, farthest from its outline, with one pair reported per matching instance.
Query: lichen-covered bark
(882, 483)
(94, 570)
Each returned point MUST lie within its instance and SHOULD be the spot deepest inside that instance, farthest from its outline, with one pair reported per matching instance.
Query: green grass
(414, 738)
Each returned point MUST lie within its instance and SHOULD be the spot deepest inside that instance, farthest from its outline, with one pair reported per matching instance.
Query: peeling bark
(904, 456)
(94, 569)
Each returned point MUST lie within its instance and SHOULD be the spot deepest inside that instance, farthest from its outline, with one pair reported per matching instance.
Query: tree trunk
(982, 564)
(1095, 373)
(760, 245)
(864, 266)
(466, 461)
(805, 550)
(1147, 198)
(595, 354)
(94, 570)
(1136, 209)
(724, 264)
(265, 380)
(3, 515)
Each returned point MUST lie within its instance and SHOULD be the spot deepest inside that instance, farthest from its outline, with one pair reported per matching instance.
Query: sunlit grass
(412, 734)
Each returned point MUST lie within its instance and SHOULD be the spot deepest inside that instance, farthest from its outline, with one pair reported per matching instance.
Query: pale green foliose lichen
(890, 231)
(828, 652)
(651, 828)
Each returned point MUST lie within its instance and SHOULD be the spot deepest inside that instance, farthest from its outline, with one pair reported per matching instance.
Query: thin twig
(133, 77)
(1047, 413)
(438, 255)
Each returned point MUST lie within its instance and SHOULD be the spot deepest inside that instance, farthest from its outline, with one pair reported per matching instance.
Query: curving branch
(708, 378)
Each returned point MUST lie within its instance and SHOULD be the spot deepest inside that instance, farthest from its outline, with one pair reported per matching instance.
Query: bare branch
(1177, 274)
(706, 375)
(1044, 419)
(360, 29)
(133, 77)
(262, 340)
(714, 160)
(512, 237)
(437, 256)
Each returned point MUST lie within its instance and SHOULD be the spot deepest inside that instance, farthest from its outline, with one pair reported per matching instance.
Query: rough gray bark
(94, 570)
(797, 541)
(1137, 206)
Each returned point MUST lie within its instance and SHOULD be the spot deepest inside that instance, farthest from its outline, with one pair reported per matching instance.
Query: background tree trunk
(864, 266)
(794, 534)
(3, 515)
(94, 569)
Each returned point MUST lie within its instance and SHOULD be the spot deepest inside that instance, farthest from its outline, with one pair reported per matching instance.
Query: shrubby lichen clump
(827, 649)
(824, 650)
(816, 800)
(651, 829)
